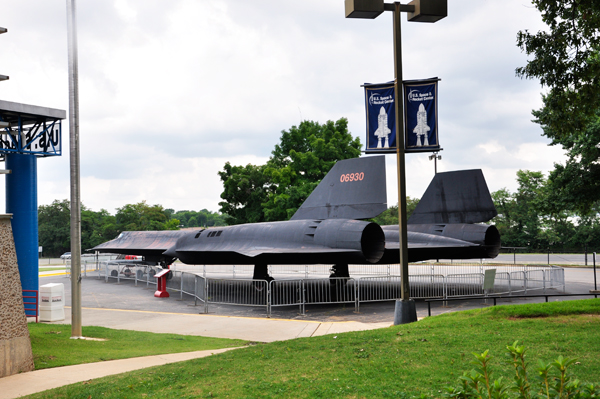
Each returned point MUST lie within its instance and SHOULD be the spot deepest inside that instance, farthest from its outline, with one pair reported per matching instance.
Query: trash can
(52, 302)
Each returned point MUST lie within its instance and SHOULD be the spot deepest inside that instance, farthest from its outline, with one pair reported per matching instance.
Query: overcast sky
(171, 90)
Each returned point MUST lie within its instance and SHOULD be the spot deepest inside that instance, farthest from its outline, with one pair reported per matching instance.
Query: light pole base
(405, 312)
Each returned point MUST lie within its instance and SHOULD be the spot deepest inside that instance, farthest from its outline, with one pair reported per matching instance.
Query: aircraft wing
(256, 251)
(150, 244)
(424, 246)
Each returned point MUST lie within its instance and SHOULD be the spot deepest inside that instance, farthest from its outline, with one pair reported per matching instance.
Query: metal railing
(241, 290)
(31, 303)
(86, 266)
(496, 297)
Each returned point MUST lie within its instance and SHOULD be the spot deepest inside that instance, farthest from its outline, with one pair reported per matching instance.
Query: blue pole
(21, 201)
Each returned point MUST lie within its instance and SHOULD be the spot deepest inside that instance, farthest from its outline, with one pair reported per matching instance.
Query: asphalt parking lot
(98, 294)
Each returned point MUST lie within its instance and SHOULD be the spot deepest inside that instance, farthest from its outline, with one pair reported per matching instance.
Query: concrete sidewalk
(23, 384)
(250, 329)
(246, 328)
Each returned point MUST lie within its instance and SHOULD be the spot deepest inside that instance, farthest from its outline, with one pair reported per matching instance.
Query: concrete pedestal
(405, 312)
(15, 347)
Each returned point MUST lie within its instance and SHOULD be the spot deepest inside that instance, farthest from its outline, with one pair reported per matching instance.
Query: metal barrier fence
(430, 283)
(86, 266)
(31, 303)
(289, 271)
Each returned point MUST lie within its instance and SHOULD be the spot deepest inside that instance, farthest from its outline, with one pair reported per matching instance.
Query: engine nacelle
(352, 234)
(480, 234)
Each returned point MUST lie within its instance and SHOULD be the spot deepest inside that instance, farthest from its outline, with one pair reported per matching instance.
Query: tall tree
(244, 191)
(274, 191)
(566, 59)
(96, 227)
(301, 160)
(390, 215)
(54, 233)
(528, 218)
(576, 184)
(203, 218)
(141, 216)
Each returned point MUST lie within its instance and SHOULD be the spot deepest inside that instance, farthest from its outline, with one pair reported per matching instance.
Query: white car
(66, 255)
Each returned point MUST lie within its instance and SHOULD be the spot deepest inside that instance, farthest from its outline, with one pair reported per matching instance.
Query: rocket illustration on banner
(382, 129)
(422, 129)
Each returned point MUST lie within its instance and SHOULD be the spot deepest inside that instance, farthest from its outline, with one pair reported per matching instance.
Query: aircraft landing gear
(337, 281)
(261, 272)
(165, 266)
(340, 270)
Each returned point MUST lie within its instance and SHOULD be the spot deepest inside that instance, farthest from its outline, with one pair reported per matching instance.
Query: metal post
(268, 284)
(206, 296)
(544, 280)
(195, 290)
(405, 311)
(74, 162)
(357, 295)
(595, 284)
(181, 286)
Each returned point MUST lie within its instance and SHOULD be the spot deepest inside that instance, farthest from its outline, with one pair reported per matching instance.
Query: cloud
(170, 91)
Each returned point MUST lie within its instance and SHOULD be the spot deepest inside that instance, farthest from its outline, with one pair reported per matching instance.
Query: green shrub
(551, 380)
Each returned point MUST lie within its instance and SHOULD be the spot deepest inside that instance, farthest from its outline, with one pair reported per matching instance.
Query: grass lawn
(52, 346)
(411, 359)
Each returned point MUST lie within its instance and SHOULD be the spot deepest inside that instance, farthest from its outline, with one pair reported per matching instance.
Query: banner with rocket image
(381, 118)
(420, 115)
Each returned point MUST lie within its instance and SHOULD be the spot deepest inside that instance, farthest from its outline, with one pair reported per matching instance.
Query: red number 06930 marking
(352, 177)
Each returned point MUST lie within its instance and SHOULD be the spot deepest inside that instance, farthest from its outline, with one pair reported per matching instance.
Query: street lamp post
(76, 329)
(418, 11)
(435, 158)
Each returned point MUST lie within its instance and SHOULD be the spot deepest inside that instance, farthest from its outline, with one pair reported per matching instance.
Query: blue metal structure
(32, 132)
(21, 202)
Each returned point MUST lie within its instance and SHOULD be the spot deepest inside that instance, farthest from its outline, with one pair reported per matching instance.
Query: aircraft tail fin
(353, 189)
(455, 197)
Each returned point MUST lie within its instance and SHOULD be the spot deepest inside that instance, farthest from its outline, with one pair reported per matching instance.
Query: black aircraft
(326, 229)
(446, 222)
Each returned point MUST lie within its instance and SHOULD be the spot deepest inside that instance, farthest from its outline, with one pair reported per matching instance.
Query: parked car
(66, 255)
